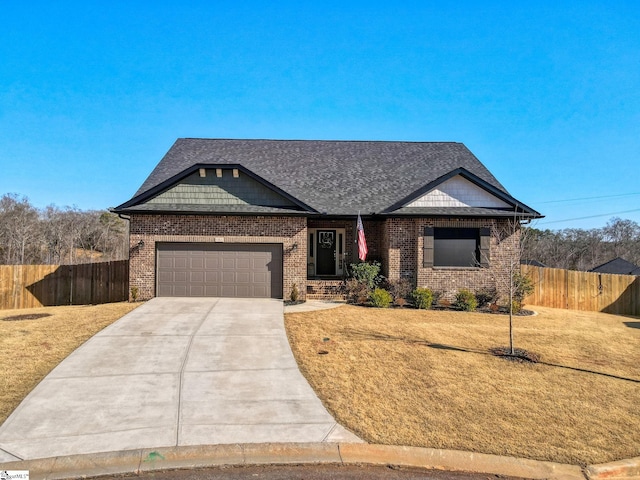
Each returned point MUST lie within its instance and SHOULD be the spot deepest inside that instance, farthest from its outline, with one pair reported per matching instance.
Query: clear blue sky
(546, 94)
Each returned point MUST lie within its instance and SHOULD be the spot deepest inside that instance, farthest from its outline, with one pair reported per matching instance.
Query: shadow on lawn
(439, 346)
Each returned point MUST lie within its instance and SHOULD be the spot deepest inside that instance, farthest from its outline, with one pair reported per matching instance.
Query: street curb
(164, 458)
(623, 469)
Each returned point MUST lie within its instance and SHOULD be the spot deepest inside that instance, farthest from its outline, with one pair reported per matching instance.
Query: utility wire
(590, 198)
(590, 216)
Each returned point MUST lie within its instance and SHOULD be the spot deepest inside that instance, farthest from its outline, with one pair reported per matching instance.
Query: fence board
(600, 292)
(28, 286)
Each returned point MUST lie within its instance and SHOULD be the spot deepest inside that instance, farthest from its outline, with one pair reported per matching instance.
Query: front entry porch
(331, 248)
(325, 289)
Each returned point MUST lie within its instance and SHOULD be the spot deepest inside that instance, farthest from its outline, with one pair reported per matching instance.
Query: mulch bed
(519, 355)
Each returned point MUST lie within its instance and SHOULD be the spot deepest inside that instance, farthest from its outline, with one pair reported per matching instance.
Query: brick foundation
(325, 289)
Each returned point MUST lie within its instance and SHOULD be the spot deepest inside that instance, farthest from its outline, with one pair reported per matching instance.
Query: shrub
(437, 296)
(295, 294)
(516, 306)
(523, 286)
(357, 292)
(400, 302)
(422, 298)
(486, 296)
(134, 293)
(443, 302)
(465, 300)
(366, 273)
(400, 289)
(363, 279)
(380, 298)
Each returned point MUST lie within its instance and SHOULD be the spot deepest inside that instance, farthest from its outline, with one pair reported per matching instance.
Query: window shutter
(485, 247)
(427, 249)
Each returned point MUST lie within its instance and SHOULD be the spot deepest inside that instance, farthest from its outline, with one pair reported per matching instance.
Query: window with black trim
(456, 247)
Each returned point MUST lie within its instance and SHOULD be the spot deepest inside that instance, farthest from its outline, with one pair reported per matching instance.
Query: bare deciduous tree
(578, 249)
(58, 235)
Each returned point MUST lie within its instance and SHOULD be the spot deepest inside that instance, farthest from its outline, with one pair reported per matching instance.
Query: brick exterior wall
(396, 242)
(149, 229)
(403, 241)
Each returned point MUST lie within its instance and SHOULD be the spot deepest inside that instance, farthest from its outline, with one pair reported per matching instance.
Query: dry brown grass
(425, 378)
(30, 349)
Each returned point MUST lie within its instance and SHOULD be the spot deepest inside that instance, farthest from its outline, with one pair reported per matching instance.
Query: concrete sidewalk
(174, 372)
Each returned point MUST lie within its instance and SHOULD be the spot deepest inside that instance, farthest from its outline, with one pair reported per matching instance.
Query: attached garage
(219, 270)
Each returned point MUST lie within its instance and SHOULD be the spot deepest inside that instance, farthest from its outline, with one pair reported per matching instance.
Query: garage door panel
(212, 291)
(211, 277)
(180, 291)
(260, 260)
(228, 262)
(243, 291)
(228, 291)
(212, 270)
(197, 262)
(211, 263)
(165, 262)
(181, 262)
(196, 291)
(165, 276)
(243, 263)
(196, 277)
(243, 277)
(261, 291)
(227, 277)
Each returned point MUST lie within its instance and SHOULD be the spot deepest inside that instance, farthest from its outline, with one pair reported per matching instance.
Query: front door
(326, 252)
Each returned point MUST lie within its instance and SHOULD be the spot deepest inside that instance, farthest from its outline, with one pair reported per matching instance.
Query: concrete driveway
(174, 372)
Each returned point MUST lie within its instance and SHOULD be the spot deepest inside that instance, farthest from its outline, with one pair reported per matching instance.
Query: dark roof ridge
(316, 140)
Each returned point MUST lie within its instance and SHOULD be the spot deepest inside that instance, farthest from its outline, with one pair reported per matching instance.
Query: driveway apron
(175, 371)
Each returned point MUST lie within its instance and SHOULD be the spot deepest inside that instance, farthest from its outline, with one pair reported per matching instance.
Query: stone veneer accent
(150, 229)
(402, 240)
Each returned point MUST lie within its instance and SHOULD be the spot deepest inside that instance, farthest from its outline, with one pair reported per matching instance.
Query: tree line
(68, 235)
(579, 249)
(56, 236)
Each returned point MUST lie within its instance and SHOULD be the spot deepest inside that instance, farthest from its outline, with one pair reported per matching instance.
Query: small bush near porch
(427, 378)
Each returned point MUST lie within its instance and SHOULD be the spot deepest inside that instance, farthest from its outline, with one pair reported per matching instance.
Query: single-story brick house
(253, 218)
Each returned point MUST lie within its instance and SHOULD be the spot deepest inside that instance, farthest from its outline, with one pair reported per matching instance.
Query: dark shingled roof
(332, 177)
(617, 266)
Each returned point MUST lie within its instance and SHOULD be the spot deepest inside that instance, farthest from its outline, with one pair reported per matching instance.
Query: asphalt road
(310, 472)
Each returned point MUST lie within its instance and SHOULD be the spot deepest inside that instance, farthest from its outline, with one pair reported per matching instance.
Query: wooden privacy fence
(598, 292)
(27, 286)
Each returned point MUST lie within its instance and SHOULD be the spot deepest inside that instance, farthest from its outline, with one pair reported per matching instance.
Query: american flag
(362, 242)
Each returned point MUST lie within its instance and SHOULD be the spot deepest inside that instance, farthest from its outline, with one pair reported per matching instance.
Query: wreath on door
(325, 239)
